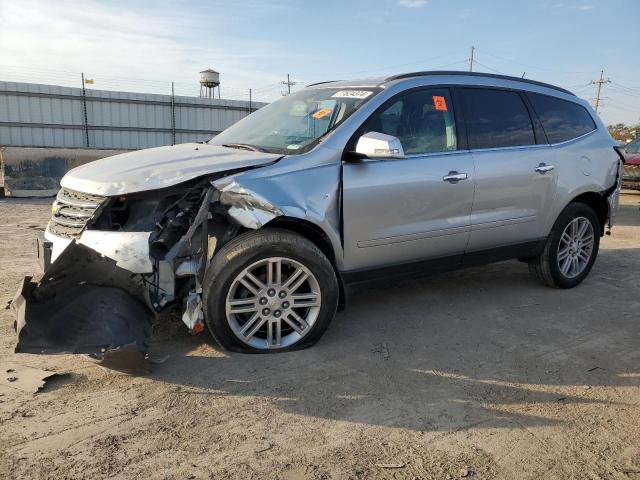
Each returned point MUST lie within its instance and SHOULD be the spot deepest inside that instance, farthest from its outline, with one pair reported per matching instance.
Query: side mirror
(379, 145)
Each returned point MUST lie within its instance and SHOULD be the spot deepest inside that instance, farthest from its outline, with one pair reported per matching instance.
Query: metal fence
(36, 115)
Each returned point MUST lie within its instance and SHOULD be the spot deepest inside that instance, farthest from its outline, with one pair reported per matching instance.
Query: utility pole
(288, 83)
(473, 49)
(84, 108)
(600, 82)
(173, 115)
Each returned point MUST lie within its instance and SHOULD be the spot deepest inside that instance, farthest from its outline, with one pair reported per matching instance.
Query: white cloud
(583, 8)
(412, 3)
(118, 43)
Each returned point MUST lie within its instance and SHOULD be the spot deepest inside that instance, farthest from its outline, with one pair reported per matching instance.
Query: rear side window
(422, 120)
(496, 118)
(561, 120)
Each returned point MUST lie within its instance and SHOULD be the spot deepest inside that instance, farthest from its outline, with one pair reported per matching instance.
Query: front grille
(71, 211)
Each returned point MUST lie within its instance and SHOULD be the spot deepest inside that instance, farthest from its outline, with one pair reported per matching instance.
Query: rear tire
(269, 290)
(570, 249)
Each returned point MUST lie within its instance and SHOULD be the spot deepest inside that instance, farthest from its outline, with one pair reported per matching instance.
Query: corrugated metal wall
(53, 116)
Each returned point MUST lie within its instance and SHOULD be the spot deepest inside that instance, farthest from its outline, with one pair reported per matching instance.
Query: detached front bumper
(84, 303)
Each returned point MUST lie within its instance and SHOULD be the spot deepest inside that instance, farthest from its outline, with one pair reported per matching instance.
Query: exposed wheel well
(314, 234)
(598, 203)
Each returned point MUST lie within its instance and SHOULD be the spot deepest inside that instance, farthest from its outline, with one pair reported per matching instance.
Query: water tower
(209, 80)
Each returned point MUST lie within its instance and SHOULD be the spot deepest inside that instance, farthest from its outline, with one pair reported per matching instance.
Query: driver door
(414, 208)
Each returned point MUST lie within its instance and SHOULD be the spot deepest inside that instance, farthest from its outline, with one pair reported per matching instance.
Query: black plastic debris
(84, 303)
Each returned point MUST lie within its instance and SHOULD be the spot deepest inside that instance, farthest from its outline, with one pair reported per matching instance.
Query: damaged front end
(136, 254)
(99, 295)
(102, 291)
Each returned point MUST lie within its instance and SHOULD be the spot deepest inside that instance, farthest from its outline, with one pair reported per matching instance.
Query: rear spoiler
(620, 151)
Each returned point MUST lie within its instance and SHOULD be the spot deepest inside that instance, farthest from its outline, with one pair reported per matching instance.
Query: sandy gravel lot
(480, 373)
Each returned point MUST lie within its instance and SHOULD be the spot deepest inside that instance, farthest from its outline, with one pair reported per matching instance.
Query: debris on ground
(391, 465)
(27, 379)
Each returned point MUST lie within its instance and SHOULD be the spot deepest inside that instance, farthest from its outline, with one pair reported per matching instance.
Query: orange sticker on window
(323, 112)
(439, 103)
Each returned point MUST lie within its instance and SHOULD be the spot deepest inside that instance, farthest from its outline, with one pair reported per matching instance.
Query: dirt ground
(481, 373)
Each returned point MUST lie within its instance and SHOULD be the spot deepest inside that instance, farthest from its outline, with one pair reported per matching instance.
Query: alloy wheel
(273, 303)
(575, 247)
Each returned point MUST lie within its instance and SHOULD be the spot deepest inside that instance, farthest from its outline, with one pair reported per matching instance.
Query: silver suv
(260, 231)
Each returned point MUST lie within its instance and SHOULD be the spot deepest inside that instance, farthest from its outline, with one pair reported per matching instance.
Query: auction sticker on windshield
(323, 112)
(352, 94)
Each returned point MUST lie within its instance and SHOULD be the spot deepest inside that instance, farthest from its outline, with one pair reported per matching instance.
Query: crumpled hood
(160, 167)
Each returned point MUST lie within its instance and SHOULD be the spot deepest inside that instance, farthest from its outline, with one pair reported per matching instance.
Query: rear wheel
(269, 290)
(570, 249)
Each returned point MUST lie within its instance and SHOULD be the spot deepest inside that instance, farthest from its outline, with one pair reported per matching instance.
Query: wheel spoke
(250, 328)
(305, 300)
(292, 278)
(584, 255)
(243, 305)
(274, 272)
(300, 323)
(584, 226)
(274, 333)
(256, 281)
(562, 254)
(299, 281)
(574, 228)
(566, 264)
(565, 238)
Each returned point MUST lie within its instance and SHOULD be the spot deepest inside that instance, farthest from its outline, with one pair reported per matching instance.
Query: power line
(389, 67)
(489, 68)
(533, 66)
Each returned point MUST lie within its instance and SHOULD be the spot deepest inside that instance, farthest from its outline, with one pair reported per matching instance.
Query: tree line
(624, 133)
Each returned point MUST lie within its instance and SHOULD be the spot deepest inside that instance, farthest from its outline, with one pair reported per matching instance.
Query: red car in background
(631, 175)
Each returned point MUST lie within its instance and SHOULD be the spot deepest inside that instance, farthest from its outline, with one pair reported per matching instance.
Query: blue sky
(139, 45)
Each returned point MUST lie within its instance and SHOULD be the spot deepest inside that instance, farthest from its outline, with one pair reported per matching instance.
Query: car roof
(381, 81)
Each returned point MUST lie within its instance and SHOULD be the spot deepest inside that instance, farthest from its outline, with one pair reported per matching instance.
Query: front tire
(269, 290)
(571, 248)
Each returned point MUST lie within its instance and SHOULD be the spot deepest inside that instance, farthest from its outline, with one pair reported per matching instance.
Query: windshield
(633, 147)
(295, 123)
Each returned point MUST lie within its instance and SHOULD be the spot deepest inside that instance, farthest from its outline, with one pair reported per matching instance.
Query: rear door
(514, 165)
(414, 208)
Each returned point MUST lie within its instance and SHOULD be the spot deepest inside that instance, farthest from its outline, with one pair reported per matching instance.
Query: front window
(296, 123)
(422, 120)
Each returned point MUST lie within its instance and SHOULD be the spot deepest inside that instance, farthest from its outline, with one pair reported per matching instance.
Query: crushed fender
(84, 303)
(246, 207)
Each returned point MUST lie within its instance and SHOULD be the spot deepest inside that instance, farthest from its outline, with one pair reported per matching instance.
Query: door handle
(543, 168)
(454, 177)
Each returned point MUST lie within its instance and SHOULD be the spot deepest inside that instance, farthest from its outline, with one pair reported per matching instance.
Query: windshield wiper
(243, 146)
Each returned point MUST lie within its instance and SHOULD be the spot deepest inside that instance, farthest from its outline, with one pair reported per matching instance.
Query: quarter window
(497, 118)
(422, 120)
(561, 120)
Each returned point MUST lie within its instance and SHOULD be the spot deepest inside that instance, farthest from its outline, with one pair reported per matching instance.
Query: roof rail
(476, 74)
(320, 83)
